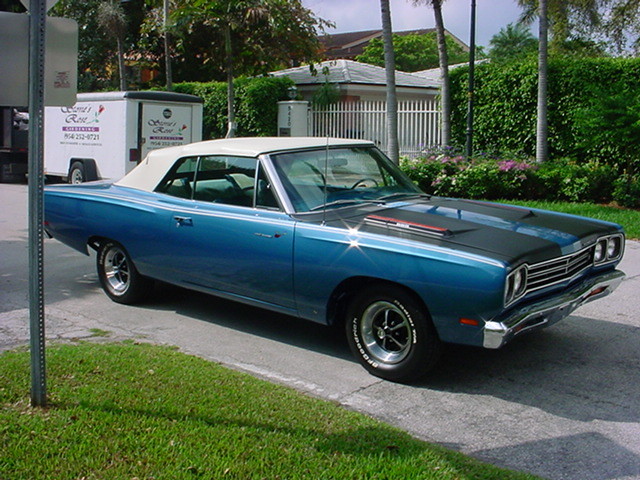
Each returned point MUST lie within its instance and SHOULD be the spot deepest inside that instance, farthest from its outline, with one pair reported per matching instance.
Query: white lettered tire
(391, 334)
(118, 275)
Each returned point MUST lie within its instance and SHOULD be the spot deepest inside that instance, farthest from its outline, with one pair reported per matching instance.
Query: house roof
(433, 74)
(351, 72)
(350, 44)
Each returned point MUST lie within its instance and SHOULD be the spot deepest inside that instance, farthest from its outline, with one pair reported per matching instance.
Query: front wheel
(118, 275)
(391, 334)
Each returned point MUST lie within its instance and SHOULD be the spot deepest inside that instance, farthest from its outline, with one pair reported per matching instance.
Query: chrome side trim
(550, 311)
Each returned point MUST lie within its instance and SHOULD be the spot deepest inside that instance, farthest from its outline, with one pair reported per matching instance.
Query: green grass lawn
(628, 218)
(126, 410)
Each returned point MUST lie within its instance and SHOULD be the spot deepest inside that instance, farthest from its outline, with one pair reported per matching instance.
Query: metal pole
(167, 50)
(472, 67)
(37, 19)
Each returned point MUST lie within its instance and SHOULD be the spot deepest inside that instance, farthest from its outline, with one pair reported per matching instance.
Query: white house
(358, 81)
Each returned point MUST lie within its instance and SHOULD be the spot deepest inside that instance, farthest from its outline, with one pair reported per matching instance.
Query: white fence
(418, 123)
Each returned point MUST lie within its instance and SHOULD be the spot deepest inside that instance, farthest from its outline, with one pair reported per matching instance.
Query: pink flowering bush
(446, 173)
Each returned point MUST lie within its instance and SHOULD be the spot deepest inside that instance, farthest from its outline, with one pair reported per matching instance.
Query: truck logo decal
(82, 114)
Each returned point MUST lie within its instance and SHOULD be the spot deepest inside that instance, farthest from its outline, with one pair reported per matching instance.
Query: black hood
(506, 233)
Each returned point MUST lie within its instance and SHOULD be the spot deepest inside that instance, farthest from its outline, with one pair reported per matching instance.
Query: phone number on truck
(82, 136)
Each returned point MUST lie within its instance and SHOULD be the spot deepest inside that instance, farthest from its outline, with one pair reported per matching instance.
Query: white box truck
(104, 135)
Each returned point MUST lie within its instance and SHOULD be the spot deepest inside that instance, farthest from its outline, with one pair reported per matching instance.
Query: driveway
(563, 403)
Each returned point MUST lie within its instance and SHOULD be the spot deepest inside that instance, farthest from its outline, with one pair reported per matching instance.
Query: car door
(229, 238)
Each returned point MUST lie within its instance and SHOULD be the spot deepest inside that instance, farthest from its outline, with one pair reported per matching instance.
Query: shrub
(626, 191)
(256, 104)
(566, 179)
(214, 96)
(448, 174)
(594, 108)
(257, 109)
(512, 177)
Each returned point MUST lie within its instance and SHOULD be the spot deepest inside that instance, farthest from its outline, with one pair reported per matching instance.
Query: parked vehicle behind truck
(14, 139)
(104, 135)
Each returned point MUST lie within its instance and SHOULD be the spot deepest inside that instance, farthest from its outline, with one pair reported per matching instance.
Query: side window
(179, 181)
(228, 180)
(265, 198)
(219, 179)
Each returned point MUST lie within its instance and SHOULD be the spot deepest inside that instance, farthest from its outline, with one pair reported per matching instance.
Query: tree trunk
(541, 128)
(390, 69)
(443, 59)
(231, 116)
(167, 43)
(121, 66)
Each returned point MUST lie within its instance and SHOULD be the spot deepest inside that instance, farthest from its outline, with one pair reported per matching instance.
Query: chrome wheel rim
(386, 332)
(116, 271)
(76, 176)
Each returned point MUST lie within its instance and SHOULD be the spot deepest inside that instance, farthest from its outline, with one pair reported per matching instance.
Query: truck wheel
(391, 334)
(118, 275)
(77, 173)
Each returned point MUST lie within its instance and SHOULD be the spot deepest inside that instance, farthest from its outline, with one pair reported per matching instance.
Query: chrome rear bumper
(547, 312)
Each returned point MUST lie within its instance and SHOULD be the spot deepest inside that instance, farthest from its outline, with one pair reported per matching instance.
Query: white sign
(61, 60)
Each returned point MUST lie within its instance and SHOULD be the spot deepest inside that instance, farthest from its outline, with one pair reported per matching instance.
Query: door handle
(183, 221)
(266, 235)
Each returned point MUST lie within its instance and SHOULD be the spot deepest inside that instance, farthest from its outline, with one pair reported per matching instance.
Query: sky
(356, 15)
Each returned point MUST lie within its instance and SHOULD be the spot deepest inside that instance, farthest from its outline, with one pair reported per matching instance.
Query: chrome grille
(548, 273)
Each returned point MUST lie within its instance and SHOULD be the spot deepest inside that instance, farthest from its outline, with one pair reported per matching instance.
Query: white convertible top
(148, 174)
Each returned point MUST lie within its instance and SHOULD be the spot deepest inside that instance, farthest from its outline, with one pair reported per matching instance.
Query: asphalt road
(563, 403)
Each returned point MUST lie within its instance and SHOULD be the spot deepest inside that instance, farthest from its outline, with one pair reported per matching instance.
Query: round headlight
(613, 247)
(516, 285)
(518, 277)
(598, 254)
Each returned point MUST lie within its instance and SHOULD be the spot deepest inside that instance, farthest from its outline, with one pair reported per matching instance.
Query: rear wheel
(391, 334)
(118, 275)
(77, 173)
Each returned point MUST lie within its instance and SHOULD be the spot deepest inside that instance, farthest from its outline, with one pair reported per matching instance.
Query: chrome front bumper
(547, 312)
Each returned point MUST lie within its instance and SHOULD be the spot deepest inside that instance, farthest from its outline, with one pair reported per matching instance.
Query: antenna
(324, 180)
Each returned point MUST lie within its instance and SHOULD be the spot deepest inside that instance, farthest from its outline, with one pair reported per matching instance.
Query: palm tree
(563, 16)
(112, 19)
(542, 144)
(623, 24)
(512, 41)
(390, 69)
(167, 45)
(560, 12)
(443, 60)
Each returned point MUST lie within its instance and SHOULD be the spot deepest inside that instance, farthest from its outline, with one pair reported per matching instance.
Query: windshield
(337, 177)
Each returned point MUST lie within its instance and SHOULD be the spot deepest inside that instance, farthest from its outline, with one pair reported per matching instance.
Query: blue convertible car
(331, 231)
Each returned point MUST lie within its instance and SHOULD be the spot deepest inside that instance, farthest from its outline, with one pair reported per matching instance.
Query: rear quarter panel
(75, 214)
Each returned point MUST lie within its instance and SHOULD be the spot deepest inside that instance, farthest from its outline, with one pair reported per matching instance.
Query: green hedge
(593, 109)
(450, 175)
(256, 105)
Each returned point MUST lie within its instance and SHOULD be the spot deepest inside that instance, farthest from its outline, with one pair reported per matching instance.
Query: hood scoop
(407, 226)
